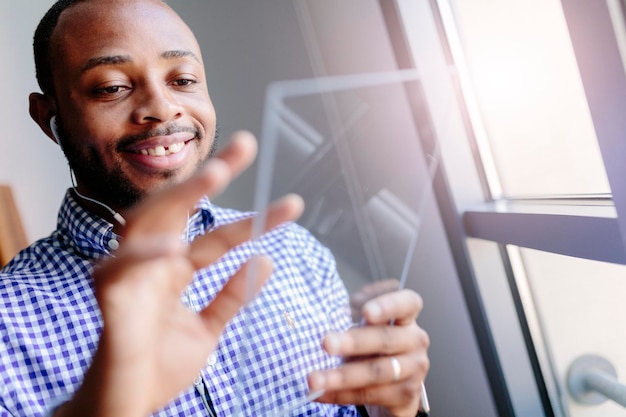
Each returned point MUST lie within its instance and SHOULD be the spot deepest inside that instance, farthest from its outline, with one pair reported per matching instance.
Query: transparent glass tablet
(351, 148)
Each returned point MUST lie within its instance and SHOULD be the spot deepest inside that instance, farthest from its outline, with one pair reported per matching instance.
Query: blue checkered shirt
(50, 322)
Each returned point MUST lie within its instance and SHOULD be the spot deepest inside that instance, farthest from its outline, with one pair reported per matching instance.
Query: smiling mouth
(163, 150)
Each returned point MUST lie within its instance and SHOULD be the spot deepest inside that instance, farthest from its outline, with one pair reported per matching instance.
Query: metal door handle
(592, 379)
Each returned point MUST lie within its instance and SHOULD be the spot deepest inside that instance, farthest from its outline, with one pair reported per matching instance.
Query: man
(114, 314)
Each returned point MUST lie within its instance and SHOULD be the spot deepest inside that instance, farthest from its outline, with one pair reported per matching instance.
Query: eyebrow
(105, 60)
(122, 59)
(179, 53)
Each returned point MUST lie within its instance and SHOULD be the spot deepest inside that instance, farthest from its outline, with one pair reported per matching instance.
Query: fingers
(134, 253)
(210, 247)
(166, 211)
(401, 398)
(391, 382)
(240, 152)
(379, 337)
(237, 292)
(384, 364)
(156, 246)
(373, 371)
(402, 307)
(368, 350)
(177, 201)
(367, 292)
(376, 340)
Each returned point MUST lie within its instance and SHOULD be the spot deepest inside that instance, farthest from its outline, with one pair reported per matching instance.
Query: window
(533, 158)
(522, 69)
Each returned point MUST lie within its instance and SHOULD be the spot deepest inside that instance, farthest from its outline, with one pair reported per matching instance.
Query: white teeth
(176, 147)
(162, 150)
(159, 151)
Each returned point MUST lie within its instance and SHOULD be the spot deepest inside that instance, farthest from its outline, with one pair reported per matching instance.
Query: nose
(155, 103)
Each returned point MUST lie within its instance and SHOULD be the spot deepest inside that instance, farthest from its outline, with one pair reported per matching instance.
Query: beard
(111, 185)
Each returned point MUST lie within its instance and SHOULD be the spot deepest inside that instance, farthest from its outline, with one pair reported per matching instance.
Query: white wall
(31, 163)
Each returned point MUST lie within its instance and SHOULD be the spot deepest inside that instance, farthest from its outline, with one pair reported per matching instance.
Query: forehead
(126, 27)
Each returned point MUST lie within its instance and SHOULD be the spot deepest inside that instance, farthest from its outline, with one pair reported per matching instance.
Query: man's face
(133, 108)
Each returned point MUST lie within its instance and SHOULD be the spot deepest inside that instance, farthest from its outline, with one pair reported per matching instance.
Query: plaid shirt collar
(93, 237)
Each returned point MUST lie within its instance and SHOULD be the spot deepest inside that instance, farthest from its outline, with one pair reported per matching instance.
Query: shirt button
(212, 359)
(113, 244)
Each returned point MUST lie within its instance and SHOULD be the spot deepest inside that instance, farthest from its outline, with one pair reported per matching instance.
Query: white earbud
(54, 128)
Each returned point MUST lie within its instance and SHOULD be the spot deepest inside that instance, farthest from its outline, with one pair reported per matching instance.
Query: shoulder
(46, 270)
(44, 254)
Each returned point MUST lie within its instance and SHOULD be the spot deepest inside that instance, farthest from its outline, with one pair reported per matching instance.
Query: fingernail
(333, 344)
(317, 381)
(373, 312)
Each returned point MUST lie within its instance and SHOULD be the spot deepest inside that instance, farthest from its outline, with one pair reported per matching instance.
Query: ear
(41, 108)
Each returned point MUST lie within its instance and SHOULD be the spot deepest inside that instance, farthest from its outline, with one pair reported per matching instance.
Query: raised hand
(152, 346)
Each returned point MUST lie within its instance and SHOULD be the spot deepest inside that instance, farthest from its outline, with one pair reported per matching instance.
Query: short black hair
(41, 43)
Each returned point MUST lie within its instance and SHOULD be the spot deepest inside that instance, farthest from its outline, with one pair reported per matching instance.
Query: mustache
(159, 131)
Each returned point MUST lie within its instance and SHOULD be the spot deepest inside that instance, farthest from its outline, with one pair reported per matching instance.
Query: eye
(184, 82)
(110, 90)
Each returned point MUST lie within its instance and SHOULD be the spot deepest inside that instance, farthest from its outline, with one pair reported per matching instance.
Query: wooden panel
(12, 236)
